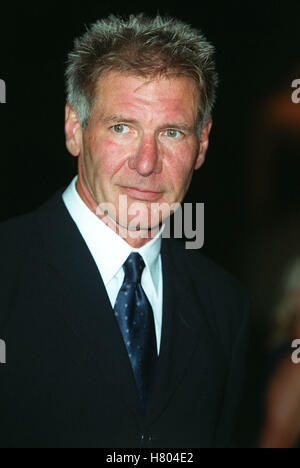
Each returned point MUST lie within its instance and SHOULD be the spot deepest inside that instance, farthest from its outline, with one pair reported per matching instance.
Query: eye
(174, 134)
(120, 128)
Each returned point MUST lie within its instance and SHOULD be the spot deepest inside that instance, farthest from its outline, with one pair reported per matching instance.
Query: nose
(146, 159)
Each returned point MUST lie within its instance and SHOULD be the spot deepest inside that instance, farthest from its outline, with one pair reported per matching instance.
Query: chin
(133, 224)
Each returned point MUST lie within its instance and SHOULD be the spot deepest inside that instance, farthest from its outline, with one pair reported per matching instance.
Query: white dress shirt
(110, 252)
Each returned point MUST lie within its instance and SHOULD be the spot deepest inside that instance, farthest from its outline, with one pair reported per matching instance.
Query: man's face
(141, 134)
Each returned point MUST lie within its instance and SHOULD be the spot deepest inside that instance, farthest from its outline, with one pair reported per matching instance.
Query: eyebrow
(111, 119)
(180, 126)
(118, 118)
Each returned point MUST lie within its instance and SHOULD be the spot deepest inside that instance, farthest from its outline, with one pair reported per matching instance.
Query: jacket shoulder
(14, 234)
(221, 296)
(20, 247)
(209, 272)
(18, 231)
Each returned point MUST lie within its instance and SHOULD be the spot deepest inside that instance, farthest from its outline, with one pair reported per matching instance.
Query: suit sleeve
(234, 385)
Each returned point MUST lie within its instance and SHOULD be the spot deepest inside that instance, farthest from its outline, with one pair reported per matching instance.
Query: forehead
(169, 97)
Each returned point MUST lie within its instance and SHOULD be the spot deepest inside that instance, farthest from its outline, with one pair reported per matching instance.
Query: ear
(203, 144)
(73, 131)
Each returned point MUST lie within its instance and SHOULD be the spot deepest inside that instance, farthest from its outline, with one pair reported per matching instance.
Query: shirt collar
(109, 250)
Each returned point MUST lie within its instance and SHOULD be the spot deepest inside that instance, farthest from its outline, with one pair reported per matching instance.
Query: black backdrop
(257, 53)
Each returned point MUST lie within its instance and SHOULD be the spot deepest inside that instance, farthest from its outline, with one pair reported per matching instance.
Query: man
(116, 336)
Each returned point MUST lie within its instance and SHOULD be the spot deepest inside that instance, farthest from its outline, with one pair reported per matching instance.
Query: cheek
(109, 157)
(180, 161)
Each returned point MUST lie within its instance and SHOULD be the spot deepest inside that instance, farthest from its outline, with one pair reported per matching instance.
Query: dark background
(250, 181)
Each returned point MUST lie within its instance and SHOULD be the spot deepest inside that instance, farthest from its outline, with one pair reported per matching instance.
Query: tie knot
(134, 267)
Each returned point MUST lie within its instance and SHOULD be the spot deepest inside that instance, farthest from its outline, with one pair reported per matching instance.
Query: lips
(142, 190)
(142, 194)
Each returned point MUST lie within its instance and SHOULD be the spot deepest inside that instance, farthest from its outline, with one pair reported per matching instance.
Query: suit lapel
(180, 330)
(87, 308)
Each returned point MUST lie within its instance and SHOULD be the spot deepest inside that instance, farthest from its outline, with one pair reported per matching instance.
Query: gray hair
(141, 46)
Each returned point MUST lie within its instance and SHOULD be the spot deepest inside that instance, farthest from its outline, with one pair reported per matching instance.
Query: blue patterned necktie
(135, 317)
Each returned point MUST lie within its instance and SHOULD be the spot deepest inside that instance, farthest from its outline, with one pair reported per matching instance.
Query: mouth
(142, 194)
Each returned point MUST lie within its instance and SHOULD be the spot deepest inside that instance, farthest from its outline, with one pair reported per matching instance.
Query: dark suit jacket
(68, 381)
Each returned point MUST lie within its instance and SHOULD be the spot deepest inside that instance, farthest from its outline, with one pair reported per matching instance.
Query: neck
(135, 239)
